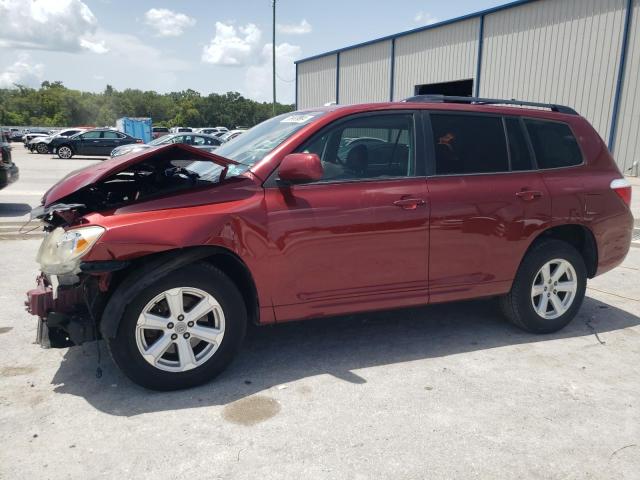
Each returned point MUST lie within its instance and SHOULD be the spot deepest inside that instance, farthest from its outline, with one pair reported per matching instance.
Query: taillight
(623, 189)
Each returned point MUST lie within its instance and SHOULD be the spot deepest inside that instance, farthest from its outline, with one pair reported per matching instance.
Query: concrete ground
(447, 391)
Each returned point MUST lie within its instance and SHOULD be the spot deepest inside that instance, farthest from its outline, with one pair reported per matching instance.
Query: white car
(230, 135)
(212, 130)
(41, 144)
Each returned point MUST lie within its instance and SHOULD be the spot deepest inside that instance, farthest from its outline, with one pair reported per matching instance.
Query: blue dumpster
(138, 127)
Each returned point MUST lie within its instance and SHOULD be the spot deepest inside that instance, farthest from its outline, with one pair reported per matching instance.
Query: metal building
(581, 53)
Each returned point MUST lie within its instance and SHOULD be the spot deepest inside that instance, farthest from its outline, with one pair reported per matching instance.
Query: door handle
(528, 195)
(409, 203)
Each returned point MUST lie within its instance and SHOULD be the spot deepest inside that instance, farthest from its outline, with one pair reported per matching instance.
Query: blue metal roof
(481, 13)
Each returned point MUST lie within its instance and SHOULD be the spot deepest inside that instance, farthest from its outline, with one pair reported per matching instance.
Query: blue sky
(206, 45)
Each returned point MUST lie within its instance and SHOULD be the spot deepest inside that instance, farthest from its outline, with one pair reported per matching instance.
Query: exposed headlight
(61, 251)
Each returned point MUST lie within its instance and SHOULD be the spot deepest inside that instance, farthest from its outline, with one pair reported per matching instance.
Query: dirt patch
(16, 371)
(5, 330)
(252, 410)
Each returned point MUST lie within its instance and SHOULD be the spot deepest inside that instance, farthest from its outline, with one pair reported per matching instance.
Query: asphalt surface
(447, 391)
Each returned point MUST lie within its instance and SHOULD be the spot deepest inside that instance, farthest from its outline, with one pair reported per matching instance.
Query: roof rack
(489, 101)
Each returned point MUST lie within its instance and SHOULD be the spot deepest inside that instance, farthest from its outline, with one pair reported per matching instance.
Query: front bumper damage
(63, 317)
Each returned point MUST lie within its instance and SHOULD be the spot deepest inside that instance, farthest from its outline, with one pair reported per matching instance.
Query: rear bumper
(613, 237)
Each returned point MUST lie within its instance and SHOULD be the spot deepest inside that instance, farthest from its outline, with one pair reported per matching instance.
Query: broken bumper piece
(62, 320)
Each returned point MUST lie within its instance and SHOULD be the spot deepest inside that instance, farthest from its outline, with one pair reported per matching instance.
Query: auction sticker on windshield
(298, 118)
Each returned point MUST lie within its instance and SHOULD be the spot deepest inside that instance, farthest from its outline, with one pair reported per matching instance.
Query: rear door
(487, 203)
(111, 139)
(357, 239)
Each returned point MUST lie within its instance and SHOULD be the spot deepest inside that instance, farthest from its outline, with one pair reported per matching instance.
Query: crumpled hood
(96, 173)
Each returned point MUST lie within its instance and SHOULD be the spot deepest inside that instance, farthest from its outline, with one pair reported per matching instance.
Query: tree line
(55, 105)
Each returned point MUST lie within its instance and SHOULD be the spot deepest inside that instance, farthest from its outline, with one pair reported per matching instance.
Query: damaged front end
(71, 294)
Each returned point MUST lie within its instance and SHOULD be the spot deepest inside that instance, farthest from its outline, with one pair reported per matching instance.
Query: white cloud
(425, 18)
(59, 25)
(98, 47)
(168, 23)
(295, 29)
(258, 78)
(23, 72)
(232, 46)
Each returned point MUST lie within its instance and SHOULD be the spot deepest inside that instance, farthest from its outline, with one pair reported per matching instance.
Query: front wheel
(65, 152)
(548, 289)
(42, 148)
(181, 331)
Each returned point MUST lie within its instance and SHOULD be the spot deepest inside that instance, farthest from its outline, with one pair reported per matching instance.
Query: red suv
(168, 253)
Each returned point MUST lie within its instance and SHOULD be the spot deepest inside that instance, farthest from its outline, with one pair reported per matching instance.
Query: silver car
(197, 140)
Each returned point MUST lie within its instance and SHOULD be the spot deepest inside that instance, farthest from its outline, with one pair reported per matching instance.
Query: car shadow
(14, 209)
(280, 354)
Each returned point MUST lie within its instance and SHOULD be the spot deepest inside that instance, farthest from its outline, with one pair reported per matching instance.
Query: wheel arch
(142, 272)
(577, 235)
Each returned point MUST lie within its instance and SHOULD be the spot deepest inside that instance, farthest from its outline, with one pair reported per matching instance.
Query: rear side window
(469, 144)
(553, 144)
(518, 149)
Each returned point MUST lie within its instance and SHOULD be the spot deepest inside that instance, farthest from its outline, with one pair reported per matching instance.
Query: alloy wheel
(554, 289)
(180, 329)
(65, 152)
(42, 148)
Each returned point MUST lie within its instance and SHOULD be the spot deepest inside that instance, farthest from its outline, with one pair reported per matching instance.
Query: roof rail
(489, 101)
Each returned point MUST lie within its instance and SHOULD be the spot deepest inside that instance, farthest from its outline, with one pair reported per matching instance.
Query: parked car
(99, 142)
(157, 132)
(212, 130)
(201, 141)
(27, 137)
(15, 135)
(180, 129)
(175, 250)
(43, 144)
(9, 172)
(230, 135)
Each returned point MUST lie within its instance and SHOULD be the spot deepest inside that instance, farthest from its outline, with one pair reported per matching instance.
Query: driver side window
(367, 147)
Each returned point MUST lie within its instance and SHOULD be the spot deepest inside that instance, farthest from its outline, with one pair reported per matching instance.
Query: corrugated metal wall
(556, 51)
(317, 82)
(432, 56)
(365, 74)
(627, 142)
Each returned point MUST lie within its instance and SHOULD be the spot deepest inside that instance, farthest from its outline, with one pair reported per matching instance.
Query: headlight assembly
(61, 251)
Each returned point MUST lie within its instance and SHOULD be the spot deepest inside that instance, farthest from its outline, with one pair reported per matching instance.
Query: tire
(42, 148)
(65, 152)
(523, 309)
(168, 371)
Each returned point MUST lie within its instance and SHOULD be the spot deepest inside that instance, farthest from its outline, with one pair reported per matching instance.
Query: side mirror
(300, 168)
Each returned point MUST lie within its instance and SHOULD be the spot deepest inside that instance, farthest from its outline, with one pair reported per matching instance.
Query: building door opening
(459, 88)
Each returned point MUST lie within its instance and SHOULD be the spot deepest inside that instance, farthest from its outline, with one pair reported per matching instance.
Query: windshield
(253, 145)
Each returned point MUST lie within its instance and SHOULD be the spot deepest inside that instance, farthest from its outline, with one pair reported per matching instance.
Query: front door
(87, 143)
(357, 239)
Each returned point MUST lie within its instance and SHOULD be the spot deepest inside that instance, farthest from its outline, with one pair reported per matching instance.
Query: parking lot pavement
(446, 391)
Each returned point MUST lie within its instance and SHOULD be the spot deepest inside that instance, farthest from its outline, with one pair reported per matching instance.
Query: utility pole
(273, 55)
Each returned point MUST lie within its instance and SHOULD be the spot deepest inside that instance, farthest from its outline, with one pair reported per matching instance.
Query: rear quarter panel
(582, 195)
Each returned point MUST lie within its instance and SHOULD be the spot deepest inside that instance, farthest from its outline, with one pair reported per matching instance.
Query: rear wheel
(42, 148)
(181, 331)
(65, 152)
(549, 288)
